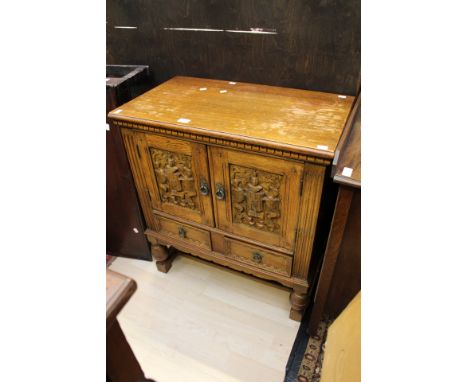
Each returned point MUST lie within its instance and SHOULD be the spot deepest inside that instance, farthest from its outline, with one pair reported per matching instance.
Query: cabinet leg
(161, 256)
(298, 304)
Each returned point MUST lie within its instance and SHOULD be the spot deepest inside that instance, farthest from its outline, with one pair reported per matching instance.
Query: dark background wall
(317, 45)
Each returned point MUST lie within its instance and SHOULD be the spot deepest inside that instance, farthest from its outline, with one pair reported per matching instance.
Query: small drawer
(259, 257)
(191, 235)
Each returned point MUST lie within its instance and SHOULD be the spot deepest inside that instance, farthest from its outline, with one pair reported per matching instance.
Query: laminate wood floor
(204, 323)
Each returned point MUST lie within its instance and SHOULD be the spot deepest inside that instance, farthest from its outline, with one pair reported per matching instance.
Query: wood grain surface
(262, 151)
(346, 280)
(205, 323)
(342, 361)
(350, 156)
(332, 251)
(292, 118)
(124, 220)
(121, 363)
(313, 44)
(119, 289)
(340, 275)
(288, 194)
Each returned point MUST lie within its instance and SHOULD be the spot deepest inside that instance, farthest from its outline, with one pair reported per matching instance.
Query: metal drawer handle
(220, 193)
(257, 257)
(204, 189)
(182, 232)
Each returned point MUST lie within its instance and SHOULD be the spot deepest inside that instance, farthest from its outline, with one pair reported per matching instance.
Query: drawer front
(189, 234)
(259, 257)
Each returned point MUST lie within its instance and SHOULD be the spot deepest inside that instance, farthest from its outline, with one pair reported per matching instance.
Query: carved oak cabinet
(233, 173)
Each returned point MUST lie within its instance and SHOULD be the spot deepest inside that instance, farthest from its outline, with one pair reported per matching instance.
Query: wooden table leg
(161, 255)
(298, 299)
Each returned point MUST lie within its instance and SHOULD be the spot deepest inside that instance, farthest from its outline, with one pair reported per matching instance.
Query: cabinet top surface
(307, 120)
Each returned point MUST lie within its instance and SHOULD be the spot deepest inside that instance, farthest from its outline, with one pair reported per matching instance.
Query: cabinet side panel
(308, 214)
(130, 139)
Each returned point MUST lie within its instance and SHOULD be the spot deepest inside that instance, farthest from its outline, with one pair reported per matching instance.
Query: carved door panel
(256, 196)
(178, 177)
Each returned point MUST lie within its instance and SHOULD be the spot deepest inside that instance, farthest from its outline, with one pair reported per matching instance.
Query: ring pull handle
(257, 257)
(182, 232)
(204, 189)
(220, 193)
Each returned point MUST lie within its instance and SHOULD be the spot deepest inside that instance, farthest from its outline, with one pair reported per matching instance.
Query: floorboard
(202, 322)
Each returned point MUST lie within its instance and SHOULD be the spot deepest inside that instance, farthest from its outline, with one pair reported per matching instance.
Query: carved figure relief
(255, 198)
(175, 178)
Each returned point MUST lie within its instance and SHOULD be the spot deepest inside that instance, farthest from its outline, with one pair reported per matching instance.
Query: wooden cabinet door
(177, 176)
(256, 196)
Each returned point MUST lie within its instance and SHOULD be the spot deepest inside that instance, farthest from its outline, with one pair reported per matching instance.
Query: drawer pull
(204, 189)
(220, 193)
(182, 232)
(257, 257)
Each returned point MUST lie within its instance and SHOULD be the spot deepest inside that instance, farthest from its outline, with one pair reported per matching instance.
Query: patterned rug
(305, 361)
(311, 365)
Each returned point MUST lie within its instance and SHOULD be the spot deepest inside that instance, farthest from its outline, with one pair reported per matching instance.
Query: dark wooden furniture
(121, 364)
(305, 44)
(125, 225)
(340, 276)
(233, 173)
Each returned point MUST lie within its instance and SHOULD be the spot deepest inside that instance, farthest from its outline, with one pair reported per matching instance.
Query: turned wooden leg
(160, 255)
(298, 301)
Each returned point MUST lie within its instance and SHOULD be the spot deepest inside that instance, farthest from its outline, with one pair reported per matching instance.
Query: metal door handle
(220, 193)
(204, 189)
(257, 257)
